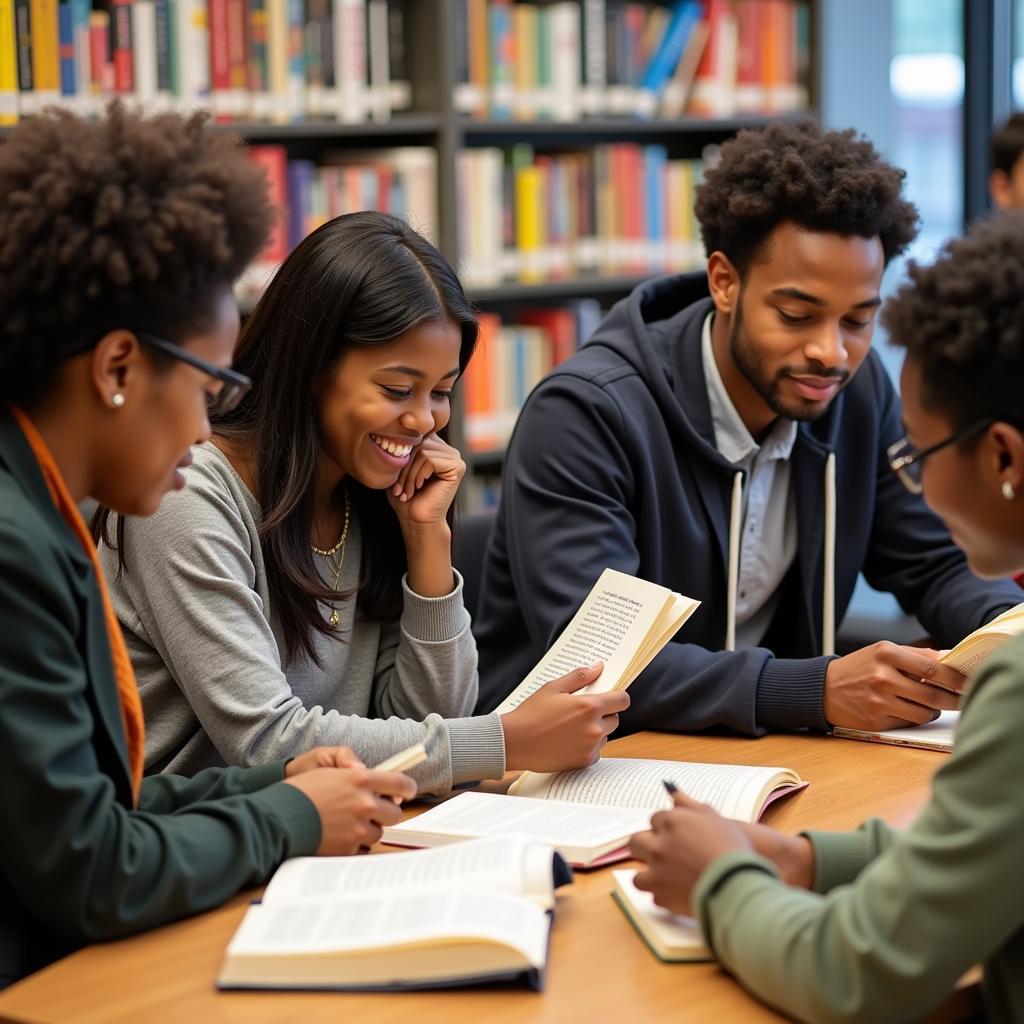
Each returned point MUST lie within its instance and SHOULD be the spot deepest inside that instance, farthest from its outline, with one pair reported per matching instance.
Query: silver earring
(117, 400)
(1008, 492)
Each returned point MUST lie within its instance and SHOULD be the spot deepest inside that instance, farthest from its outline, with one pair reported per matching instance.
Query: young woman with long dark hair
(300, 591)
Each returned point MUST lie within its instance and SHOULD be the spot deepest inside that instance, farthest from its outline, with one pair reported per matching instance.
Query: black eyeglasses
(907, 462)
(234, 386)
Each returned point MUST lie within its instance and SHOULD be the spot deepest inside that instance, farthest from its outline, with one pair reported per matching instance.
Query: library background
(550, 149)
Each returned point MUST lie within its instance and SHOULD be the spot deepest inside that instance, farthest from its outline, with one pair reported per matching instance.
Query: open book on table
(467, 914)
(937, 735)
(589, 814)
(671, 937)
(623, 622)
(974, 650)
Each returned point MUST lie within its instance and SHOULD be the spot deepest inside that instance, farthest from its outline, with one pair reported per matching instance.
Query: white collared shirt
(769, 530)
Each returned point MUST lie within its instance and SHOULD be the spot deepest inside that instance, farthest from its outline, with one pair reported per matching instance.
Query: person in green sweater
(119, 242)
(878, 925)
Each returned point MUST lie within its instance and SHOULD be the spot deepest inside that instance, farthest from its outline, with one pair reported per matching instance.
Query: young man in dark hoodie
(725, 434)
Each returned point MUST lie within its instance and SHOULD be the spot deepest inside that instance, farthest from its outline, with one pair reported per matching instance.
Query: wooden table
(598, 970)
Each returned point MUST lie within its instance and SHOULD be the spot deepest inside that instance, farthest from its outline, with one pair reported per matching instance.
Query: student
(1006, 182)
(119, 241)
(902, 915)
(300, 590)
(724, 434)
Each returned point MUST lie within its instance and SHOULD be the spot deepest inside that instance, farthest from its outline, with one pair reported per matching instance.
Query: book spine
(462, 94)
(121, 18)
(380, 60)
(101, 67)
(350, 59)
(220, 62)
(317, 44)
(45, 52)
(277, 59)
(752, 49)
(594, 57)
(257, 70)
(144, 73)
(238, 58)
(164, 42)
(502, 60)
(23, 53)
(191, 57)
(66, 54)
(524, 66)
(685, 16)
(8, 64)
(296, 77)
(82, 93)
(398, 55)
(274, 161)
(566, 59)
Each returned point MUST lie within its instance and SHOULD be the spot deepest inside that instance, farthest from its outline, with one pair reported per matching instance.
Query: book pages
(623, 622)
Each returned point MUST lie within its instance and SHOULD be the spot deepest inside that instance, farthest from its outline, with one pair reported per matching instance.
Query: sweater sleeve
(88, 867)
(568, 509)
(929, 904)
(189, 594)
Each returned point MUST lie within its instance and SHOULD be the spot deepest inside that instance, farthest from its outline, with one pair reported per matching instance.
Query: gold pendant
(335, 617)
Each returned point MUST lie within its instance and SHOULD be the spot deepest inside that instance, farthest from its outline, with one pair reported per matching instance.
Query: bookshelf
(435, 118)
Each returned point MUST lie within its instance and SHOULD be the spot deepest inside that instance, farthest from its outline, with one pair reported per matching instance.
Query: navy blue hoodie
(613, 464)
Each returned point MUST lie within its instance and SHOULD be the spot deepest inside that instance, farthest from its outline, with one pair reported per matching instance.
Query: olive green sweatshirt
(897, 917)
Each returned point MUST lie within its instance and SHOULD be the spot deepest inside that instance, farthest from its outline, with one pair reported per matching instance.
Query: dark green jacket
(77, 863)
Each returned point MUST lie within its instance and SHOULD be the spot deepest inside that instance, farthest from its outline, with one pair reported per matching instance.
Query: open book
(589, 814)
(969, 655)
(937, 735)
(671, 937)
(475, 912)
(623, 622)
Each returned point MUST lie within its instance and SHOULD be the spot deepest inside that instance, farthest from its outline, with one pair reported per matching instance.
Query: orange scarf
(127, 689)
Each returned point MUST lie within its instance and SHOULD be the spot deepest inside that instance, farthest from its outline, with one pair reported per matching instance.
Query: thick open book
(476, 912)
(671, 937)
(589, 814)
(623, 622)
(937, 735)
(734, 790)
(969, 655)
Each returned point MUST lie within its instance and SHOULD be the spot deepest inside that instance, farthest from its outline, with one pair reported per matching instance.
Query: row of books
(511, 359)
(401, 180)
(272, 60)
(614, 209)
(577, 58)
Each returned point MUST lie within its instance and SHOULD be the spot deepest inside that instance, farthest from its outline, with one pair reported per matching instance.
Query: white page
(549, 821)
(731, 789)
(374, 921)
(610, 626)
(938, 734)
(487, 863)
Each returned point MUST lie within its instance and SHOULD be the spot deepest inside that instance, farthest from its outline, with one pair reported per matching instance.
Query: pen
(671, 787)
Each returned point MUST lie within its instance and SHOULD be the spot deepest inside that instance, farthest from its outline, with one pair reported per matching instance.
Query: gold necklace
(335, 617)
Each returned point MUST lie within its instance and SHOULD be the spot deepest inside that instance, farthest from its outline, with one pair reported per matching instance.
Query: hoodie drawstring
(828, 596)
(734, 561)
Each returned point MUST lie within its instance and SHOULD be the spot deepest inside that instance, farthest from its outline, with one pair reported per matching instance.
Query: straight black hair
(361, 279)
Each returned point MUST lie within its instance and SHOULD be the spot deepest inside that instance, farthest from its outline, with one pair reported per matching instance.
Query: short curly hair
(961, 319)
(125, 221)
(824, 181)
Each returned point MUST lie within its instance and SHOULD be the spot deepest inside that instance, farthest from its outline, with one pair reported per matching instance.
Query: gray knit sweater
(206, 646)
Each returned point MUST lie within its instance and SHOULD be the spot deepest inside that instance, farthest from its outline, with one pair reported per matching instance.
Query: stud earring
(1008, 492)
(117, 400)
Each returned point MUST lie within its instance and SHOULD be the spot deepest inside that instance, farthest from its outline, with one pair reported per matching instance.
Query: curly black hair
(824, 181)
(1007, 144)
(961, 319)
(125, 221)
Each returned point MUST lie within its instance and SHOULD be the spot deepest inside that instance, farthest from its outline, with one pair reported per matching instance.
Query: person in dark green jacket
(894, 919)
(119, 242)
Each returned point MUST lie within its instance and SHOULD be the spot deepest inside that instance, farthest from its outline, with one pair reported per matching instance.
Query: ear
(116, 368)
(1008, 445)
(999, 189)
(724, 282)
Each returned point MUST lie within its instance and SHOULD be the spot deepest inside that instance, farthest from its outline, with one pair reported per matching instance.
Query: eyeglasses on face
(234, 386)
(907, 462)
